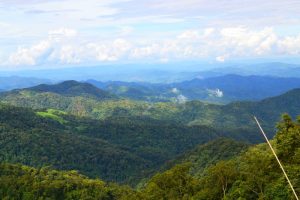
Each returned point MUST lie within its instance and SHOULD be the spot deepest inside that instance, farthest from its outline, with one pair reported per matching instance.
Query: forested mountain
(239, 114)
(144, 135)
(117, 149)
(138, 90)
(222, 89)
(208, 154)
(253, 174)
(237, 88)
(71, 89)
(38, 141)
(76, 126)
(233, 115)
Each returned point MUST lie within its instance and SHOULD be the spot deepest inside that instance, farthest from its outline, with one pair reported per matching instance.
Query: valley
(75, 125)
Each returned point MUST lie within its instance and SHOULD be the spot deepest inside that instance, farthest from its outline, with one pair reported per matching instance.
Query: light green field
(53, 114)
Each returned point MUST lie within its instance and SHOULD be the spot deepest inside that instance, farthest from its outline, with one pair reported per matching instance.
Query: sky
(39, 34)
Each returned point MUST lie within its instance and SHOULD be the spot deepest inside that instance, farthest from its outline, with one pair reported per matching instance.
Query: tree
(287, 137)
(220, 178)
(175, 184)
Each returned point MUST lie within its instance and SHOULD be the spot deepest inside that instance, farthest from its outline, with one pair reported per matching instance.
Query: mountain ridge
(72, 88)
(220, 89)
(236, 114)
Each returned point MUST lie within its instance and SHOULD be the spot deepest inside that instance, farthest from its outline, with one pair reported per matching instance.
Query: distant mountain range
(159, 73)
(127, 73)
(82, 99)
(219, 85)
(275, 69)
(222, 89)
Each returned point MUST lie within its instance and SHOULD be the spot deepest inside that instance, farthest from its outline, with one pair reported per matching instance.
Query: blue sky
(43, 33)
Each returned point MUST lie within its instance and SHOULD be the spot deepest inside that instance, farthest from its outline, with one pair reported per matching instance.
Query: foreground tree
(176, 184)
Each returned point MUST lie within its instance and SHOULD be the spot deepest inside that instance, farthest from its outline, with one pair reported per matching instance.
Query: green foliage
(22, 182)
(288, 137)
(219, 180)
(119, 149)
(53, 114)
(73, 88)
(84, 102)
(126, 141)
(175, 184)
(208, 154)
(254, 174)
(37, 141)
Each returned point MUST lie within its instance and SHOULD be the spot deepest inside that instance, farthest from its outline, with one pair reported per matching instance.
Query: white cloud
(175, 91)
(156, 30)
(54, 48)
(181, 99)
(29, 56)
(109, 51)
(289, 45)
(121, 45)
(68, 54)
(215, 93)
(145, 51)
(208, 32)
(232, 42)
(221, 44)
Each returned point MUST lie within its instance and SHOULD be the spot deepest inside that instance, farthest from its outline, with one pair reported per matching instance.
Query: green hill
(254, 174)
(235, 172)
(208, 154)
(233, 115)
(22, 182)
(37, 141)
(118, 150)
(240, 114)
(71, 89)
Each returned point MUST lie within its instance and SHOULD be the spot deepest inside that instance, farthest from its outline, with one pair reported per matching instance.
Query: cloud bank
(69, 32)
(65, 46)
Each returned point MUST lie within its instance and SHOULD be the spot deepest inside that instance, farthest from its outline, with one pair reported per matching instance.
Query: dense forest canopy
(149, 99)
(252, 174)
(82, 99)
(75, 141)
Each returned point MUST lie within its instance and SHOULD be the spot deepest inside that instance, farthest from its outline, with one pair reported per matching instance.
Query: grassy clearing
(53, 114)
